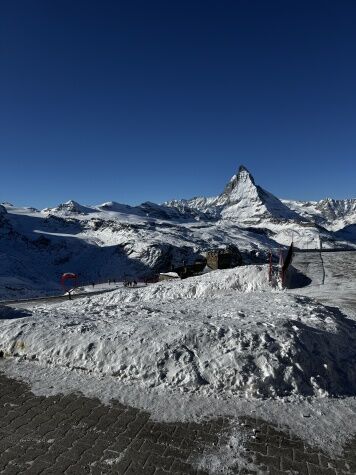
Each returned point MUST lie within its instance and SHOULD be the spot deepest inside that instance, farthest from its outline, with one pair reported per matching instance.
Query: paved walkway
(76, 435)
(333, 279)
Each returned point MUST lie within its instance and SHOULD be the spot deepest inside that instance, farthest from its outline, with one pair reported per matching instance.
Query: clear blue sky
(148, 100)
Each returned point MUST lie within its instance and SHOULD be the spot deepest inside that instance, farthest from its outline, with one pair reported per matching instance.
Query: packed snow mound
(258, 344)
(243, 279)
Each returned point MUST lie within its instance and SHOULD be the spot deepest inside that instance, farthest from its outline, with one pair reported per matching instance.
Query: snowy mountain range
(114, 240)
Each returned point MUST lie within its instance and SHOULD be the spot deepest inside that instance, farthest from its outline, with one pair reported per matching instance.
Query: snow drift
(257, 344)
(243, 279)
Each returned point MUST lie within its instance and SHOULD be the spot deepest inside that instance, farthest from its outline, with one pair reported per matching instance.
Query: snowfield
(118, 241)
(210, 334)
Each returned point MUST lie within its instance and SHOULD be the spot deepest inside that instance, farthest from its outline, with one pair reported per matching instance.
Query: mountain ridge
(113, 240)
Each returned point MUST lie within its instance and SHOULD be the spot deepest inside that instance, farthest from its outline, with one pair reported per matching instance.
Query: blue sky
(150, 100)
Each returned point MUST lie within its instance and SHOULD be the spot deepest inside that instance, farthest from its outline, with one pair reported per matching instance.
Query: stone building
(224, 258)
(168, 276)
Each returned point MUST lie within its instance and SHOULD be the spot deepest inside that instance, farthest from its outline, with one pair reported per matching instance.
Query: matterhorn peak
(242, 199)
(240, 184)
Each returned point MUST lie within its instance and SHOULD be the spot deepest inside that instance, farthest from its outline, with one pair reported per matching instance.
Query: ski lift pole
(270, 267)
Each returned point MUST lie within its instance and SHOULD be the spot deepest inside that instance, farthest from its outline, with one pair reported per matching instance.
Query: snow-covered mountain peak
(242, 185)
(113, 206)
(69, 207)
(245, 201)
(242, 179)
(242, 201)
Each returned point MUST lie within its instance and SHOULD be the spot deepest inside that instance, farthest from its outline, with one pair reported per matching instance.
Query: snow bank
(258, 344)
(242, 279)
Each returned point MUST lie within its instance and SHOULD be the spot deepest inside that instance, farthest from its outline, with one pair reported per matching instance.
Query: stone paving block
(100, 445)
(352, 466)
(55, 450)
(6, 457)
(265, 439)
(60, 466)
(256, 447)
(119, 444)
(136, 444)
(140, 458)
(187, 444)
(327, 462)
(159, 471)
(151, 447)
(183, 467)
(45, 428)
(166, 439)
(77, 469)
(35, 467)
(294, 444)
(6, 443)
(280, 451)
(275, 471)
(301, 456)
(177, 453)
(90, 438)
(11, 470)
(35, 451)
(273, 440)
(271, 430)
(117, 465)
(135, 469)
(154, 460)
(317, 470)
(75, 452)
(134, 427)
(267, 460)
(299, 467)
(89, 457)
(152, 436)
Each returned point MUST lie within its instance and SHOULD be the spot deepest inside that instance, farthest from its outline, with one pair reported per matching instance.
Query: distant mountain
(330, 213)
(114, 240)
(68, 208)
(242, 200)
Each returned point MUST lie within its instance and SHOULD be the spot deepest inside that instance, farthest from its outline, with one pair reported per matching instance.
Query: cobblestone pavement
(76, 435)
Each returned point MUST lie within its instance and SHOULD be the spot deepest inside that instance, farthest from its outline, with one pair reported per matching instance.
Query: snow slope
(113, 240)
(192, 335)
